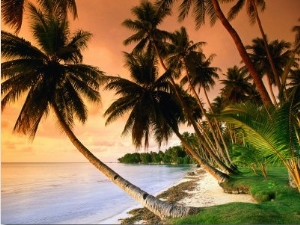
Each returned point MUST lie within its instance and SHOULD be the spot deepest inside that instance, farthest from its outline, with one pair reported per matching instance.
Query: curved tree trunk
(221, 177)
(218, 145)
(271, 90)
(193, 122)
(276, 76)
(218, 127)
(243, 53)
(158, 207)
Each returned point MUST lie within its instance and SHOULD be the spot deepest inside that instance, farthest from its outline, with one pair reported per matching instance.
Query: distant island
(172, 155)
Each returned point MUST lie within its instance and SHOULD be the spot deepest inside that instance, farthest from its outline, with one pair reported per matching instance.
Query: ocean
(76, 193)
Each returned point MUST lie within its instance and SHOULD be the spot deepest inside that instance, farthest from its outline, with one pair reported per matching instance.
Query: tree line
(172, 155)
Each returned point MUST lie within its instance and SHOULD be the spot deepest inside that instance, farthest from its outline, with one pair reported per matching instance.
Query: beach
(196, 189)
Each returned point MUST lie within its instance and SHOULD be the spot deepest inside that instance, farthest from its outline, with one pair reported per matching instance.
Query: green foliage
(172, 155)
(247, 155)
(273, 132)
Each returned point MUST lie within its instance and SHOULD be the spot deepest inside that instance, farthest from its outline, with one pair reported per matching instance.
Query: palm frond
(269, 134)
(12, 13)
(13, 47)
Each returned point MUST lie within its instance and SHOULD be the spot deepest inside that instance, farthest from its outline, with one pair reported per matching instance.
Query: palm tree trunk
(221, 177)
(277, 79)
(192, 121)
(243, 53)
(217, 125)
(158, 207)
(271, 90)
(218, 146)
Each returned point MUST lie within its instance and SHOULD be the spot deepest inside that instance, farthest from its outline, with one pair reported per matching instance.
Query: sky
(103, 19)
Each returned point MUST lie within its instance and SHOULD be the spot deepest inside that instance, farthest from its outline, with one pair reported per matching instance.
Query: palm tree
(237, 87)
(151, 104)
(152, 36)
(252, 11)
(204, 76)
(213, 10)
(147, 35)
(295, 51)
(279, 53)
(13, 10)
(53, 78)
(184, 54)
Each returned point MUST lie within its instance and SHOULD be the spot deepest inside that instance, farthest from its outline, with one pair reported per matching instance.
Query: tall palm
(147, 35)
(155, 44)
(212, 9)
(13, 10)
(150, 105)
(295, 51)
(252, 10)
(237, 87)
(203, 75)
(280, 54)
(53, 77)
(184, 54)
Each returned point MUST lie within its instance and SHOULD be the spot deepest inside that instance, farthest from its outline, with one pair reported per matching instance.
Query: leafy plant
(246, 155)
(273, 132)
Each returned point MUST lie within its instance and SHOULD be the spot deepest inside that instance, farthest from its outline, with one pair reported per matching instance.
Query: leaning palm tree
(252, 10)
(53, 78)
(184, 54)
(294, 52)
(151, 105)
(13, 10)
(280, 54)
(201, 8)
(149, 37)
(237, 87)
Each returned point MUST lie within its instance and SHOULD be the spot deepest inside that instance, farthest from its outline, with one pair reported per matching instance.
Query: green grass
(277, 203)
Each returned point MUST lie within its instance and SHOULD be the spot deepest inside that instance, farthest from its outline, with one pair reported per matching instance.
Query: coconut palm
(184, 54)
(280, 54)
(154, 43)
(147, 35)
(252, 10)
(295, 51)
(53, 78)
(201, 8)
(151, 104)
(13, 10)
(237, 86)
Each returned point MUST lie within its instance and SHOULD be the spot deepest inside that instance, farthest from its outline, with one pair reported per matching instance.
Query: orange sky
(103, 18)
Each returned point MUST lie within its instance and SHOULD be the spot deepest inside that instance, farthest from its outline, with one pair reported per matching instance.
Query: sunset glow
(103, 19)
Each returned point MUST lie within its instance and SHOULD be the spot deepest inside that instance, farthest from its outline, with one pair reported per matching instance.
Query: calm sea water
(47, 193)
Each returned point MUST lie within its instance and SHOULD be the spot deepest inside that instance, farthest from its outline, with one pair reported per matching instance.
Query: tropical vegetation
(172, 155)
(243, 126)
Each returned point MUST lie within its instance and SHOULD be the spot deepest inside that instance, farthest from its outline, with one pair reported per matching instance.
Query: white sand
(209, 193)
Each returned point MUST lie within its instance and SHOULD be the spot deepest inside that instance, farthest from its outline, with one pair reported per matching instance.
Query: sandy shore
(209, 193)
(197, 189)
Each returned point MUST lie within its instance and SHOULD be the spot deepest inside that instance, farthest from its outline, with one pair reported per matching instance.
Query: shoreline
(197, 189)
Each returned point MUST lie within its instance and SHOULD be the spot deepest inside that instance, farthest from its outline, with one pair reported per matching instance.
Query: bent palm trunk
(243, 53)
(220, 177)
(158, 207)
